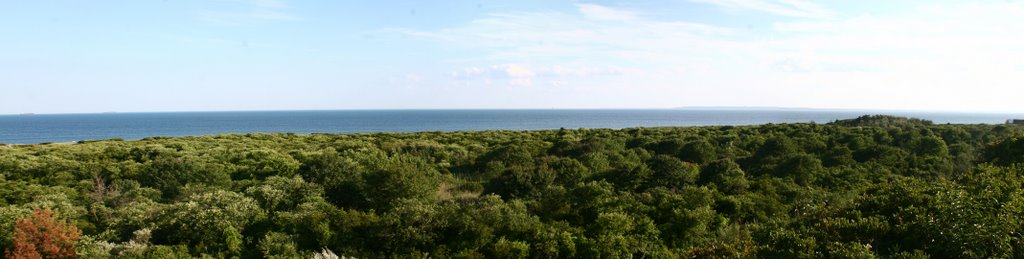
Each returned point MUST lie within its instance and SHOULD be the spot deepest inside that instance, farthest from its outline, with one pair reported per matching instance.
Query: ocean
(31, 129)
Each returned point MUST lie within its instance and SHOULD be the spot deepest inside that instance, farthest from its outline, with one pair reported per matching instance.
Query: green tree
(401, 178)
(278, 245)
(209, 222)
(726, 175)
(670, 172)
(802, 168)
(699, 151)
(171, 174)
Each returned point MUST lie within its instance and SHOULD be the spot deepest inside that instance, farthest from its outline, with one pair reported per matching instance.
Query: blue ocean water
(30, 129)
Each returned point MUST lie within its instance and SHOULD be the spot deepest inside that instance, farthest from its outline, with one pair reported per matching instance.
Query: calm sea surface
(28, 129)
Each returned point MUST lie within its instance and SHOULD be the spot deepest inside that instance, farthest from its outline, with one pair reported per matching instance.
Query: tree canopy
(875, 186)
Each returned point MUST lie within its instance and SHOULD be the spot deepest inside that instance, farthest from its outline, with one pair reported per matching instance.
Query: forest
(871, 187)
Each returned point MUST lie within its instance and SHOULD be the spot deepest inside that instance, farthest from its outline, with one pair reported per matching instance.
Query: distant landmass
(872, 111)
(745, 108)
(76, 127)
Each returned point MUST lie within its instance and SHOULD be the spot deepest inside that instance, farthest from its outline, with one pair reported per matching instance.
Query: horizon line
(721, 108)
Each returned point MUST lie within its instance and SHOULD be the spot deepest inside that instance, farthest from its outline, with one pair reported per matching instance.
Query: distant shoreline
(681, 108)
(75, 127)
(85, 141)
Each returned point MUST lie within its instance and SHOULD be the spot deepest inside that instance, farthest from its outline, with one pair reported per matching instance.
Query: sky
(224, 55)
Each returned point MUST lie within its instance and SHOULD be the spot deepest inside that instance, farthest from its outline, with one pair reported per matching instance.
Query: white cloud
(938, 56)
(517, 71)
(248, 12)
(261, 3)
(504, 71)
(793, 8)
(520, 74)
(598, 12)
(962, 56)
(550, 38)
(561, 71)
(521, 71)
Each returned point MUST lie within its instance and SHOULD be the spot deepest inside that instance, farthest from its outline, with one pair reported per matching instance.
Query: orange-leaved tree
(43, 235)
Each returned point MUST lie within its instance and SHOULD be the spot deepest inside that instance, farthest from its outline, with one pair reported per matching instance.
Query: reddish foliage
(43, 236)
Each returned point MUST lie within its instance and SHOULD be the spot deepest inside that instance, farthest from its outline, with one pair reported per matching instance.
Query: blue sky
(179, 55)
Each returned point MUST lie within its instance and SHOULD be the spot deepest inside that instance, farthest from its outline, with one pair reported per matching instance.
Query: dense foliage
(871, 187)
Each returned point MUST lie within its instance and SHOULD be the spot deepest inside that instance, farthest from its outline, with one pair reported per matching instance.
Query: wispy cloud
(520, 74)
(555, 38)
(516, 74)
(262, 3)
(247, 12)
(918, 59)
(599, 12)
(792, 8)
(533, 48)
